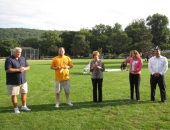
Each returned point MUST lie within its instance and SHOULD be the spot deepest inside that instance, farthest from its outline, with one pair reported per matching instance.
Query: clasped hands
(96, 66)
(62, 67)
(22, 69)
(133, 71)
(156, 74)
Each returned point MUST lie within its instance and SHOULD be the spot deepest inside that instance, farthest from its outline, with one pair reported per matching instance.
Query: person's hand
(133, 71)
(98, 67)
(156, 74)
(130, 54)
(66, 67)
(21, 69)
(94, 66)
(57, 67)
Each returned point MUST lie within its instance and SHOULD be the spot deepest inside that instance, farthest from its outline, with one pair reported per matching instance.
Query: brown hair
(137, 55)
(95, 53)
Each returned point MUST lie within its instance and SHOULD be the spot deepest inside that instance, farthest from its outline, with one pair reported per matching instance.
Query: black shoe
(164, 101)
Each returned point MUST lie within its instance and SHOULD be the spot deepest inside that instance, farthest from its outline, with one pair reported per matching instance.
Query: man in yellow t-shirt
(61, 64)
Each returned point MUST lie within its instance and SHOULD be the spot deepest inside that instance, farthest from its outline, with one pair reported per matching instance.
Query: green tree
(30, 42)
(67, 38)
(52, 50)
(158, 25)
(50, 38)
(100, 51)
(19, 34)
(117, 28)
(88, 35)
(118, 42)
(79, 46)
(7, 45)
(141, 36)
(100, 36)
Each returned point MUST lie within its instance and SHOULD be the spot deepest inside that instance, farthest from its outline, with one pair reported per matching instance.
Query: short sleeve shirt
(16, 78)
(61, 61)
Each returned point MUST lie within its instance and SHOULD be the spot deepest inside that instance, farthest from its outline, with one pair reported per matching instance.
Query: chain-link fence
(29, 53)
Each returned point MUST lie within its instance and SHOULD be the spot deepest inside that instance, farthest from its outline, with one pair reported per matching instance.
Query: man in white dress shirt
(157, 66)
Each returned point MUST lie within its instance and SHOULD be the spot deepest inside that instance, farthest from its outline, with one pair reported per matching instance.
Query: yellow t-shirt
(61, 61)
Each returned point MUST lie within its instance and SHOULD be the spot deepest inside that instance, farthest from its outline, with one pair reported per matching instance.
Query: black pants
(161, 83)
(97, 84)
(134, 83)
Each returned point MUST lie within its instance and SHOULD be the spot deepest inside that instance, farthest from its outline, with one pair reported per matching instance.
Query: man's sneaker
(57, 105)
(69, 103)
(25, 108)
(16, 110)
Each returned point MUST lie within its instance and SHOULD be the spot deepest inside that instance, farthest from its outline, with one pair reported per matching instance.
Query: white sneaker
(25, 108)
(16, 110)
(57, 105)
(69, 103)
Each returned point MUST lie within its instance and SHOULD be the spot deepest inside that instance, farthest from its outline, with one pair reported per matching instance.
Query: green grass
(116, 112)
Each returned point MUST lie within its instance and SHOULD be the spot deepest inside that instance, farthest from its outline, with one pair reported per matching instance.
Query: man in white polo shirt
(157, 66)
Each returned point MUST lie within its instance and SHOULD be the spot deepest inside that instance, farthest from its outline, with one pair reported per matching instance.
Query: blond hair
(137, 55)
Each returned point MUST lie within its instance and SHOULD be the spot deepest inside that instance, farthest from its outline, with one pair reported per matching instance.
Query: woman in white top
(135, 62)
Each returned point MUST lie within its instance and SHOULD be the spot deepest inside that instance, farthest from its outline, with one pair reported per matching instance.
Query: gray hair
(17, 48)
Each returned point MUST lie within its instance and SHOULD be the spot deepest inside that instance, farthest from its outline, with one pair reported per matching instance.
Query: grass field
(114, 113)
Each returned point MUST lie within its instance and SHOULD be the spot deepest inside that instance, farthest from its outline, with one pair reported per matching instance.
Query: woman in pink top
(134, 73)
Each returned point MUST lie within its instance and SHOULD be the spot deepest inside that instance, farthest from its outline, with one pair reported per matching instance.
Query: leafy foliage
(19, 34)
(7, 45)
(52, 50)
(141, 35)
(79, 45)
(159, 28)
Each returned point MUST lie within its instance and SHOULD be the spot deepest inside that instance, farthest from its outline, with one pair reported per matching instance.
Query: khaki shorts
(16, 89)
(60, 84)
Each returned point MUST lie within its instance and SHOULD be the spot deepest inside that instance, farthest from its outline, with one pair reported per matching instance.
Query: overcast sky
(74, 15)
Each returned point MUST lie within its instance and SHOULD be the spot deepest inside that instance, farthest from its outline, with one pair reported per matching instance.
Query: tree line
(140, 34)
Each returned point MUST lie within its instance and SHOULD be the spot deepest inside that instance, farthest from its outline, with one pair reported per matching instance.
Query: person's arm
(92, 66)
(127, 60)
(9, 68)
(26, 68)
(103, 67)
(70, 65)
(165, 67)
(150, 66)
(55, 68)
(21, 69)
(13, 70)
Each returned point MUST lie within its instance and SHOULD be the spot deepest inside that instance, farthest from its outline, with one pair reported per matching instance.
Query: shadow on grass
(77, 105)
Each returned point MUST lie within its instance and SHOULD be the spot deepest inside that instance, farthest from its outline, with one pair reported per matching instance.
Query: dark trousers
(134, 83)
(161, 83)
(97, 85)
